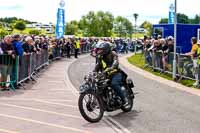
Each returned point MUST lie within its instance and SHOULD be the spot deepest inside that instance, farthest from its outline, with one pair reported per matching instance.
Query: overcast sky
(45, 10)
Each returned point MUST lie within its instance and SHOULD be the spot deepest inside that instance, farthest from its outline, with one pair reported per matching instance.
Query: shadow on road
(126, 118)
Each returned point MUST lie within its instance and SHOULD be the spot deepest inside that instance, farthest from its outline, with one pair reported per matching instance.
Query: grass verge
(138, 60)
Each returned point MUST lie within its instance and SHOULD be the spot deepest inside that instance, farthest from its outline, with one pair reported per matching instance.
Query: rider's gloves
(108, 70)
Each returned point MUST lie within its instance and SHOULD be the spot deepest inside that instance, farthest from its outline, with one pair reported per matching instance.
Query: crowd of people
(159, 54)
(13, 46)
(158, 51)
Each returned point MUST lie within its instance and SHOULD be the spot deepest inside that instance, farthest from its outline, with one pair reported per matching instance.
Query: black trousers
(68, 52)
(76, 53)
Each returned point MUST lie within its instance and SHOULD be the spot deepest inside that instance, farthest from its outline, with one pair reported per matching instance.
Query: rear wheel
(91, 107)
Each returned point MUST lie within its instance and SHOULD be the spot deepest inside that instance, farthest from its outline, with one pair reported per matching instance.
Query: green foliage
(98, 24)
(135, 15)
(123, 27)
(183, 19)
(34, 32)
(71, 28)
(163, 21)
(13, 20)
(20, 25)
(148, 26)
(196, 20)
(3, 33)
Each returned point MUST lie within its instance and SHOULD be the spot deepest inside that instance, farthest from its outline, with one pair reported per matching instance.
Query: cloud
(14, 7)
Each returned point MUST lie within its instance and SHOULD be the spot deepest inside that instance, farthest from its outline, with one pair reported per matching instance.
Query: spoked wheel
(91, 107)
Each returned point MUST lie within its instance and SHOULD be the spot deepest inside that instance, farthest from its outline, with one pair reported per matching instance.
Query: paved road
(48, 106)
(158, 108)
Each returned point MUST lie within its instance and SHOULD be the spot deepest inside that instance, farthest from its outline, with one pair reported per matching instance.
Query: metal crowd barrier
(57, 52)
(164, 63)
(86, 48)
(8, 67)
(29, 64)
(22, 68)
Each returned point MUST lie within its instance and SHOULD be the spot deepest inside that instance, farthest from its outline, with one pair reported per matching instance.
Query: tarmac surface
(48, 106)
(159, 107)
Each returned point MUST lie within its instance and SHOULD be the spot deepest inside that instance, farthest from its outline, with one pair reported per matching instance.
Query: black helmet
(104, 48)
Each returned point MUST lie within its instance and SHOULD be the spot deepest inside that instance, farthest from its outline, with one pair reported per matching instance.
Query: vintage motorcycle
(97, 96)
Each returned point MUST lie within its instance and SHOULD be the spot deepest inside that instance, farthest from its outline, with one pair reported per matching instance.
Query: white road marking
(28, 99)
(7, 131)
(65, 105)
(117, 130)
(43, 123)
(123, 129)
(40, 110)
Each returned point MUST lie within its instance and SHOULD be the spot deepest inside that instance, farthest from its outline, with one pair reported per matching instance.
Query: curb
(123, 60)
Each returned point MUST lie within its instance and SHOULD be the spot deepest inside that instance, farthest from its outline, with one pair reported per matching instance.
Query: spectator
(198, 60)
(193, 55)
(168, 47)
(1, 51)
(68, 47)
(157, 53)
(17, 45)
(45, 43)
(148, 59)
(38, 44)
(51, 50)
(76, 47)
(28, 46)
(6, 61)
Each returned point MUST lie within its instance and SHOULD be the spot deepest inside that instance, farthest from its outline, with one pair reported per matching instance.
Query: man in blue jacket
(17, 45)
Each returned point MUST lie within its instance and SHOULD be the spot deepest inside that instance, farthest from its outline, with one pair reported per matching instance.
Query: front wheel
(90, 107)
(128, 107)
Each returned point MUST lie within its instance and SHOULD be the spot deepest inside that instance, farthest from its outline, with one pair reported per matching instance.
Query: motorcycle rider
(107, 62)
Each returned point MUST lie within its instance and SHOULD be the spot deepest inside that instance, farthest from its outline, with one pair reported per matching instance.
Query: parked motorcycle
(97, 96)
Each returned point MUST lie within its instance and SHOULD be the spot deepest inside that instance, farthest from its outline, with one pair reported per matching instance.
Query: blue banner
(60, 26)
(171, 14)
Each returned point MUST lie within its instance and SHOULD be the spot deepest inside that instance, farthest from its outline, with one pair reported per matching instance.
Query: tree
(129, 27)
(135, 15)
(123, 27)
(3, 33)
(13, 20)
(105, 23)
(163, 21)
(148, 26)
(89, 24)
(1, 25)
(72, 28)
(196, 20)
(98, 24)
(20, 25)
(182, 18)
(34, 32)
